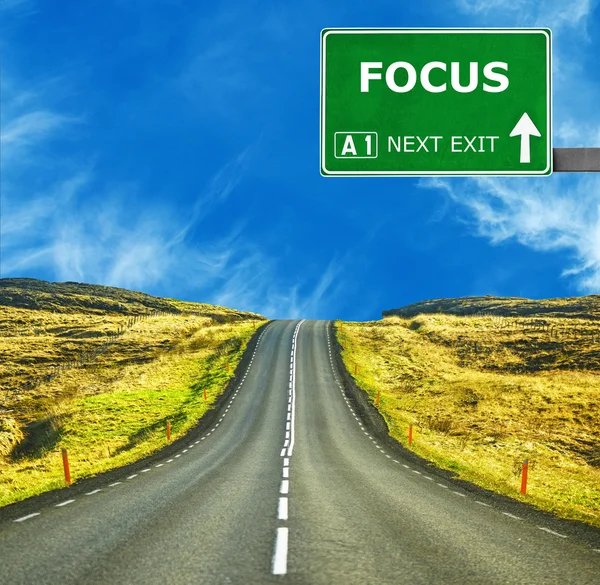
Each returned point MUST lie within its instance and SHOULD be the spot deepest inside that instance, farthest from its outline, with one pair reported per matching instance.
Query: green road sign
(436, 102)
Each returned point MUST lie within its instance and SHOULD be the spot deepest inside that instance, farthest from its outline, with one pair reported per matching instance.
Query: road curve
(286, 487)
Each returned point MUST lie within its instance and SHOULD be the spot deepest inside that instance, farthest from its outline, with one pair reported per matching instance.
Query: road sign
(436, 102)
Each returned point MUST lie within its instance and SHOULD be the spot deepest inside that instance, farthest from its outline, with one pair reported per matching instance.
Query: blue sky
(173, 147)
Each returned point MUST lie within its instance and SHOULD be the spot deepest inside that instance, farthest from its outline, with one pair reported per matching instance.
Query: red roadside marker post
(169, 431)
(524, 476)
(410, 435)
(378, 397)
(204, 393)
(65, 460)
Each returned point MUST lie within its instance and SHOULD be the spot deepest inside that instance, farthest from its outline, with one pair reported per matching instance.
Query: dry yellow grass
(110, 407)
(484, 393)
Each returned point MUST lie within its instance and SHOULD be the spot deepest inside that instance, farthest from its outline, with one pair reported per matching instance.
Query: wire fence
(554, 331)
(88, 357)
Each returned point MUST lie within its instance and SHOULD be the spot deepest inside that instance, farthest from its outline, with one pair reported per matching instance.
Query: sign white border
(547, 32)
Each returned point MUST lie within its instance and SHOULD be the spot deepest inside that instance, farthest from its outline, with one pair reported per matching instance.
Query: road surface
(288, 486)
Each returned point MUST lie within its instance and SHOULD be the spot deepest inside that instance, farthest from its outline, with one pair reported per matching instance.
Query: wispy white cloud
(21, 7)
(70, 222)
(220, 187)
(554, 14)
(545, 215)
(29, 129)
(105, 241)
(78, 229)
(561, 212)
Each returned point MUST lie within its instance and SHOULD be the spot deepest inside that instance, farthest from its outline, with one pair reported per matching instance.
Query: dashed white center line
(27, 517)
(145, 470)
(443, 486)
(159, 465)
(512, 516)
(286, 472)
(280, 555)
(282, 513)
(93, 492)
(64, 503)
(459, 494)
(132, 476)
(116, 483)
(483, 504)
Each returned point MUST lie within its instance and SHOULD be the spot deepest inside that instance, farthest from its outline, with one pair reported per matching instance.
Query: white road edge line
(26, 517)
(552, 532)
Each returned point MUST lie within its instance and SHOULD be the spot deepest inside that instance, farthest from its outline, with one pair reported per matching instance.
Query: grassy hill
(487, 382)
(99, 370)
(567, 308)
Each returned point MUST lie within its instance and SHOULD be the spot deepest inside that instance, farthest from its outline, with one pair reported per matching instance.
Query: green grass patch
(126, 421)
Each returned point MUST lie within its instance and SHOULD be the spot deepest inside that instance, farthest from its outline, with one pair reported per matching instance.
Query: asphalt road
(288, 486)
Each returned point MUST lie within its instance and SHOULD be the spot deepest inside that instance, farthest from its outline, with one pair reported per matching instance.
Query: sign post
(436, 102)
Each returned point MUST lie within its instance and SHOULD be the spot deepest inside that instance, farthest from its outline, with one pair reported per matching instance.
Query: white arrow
(525, 128)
